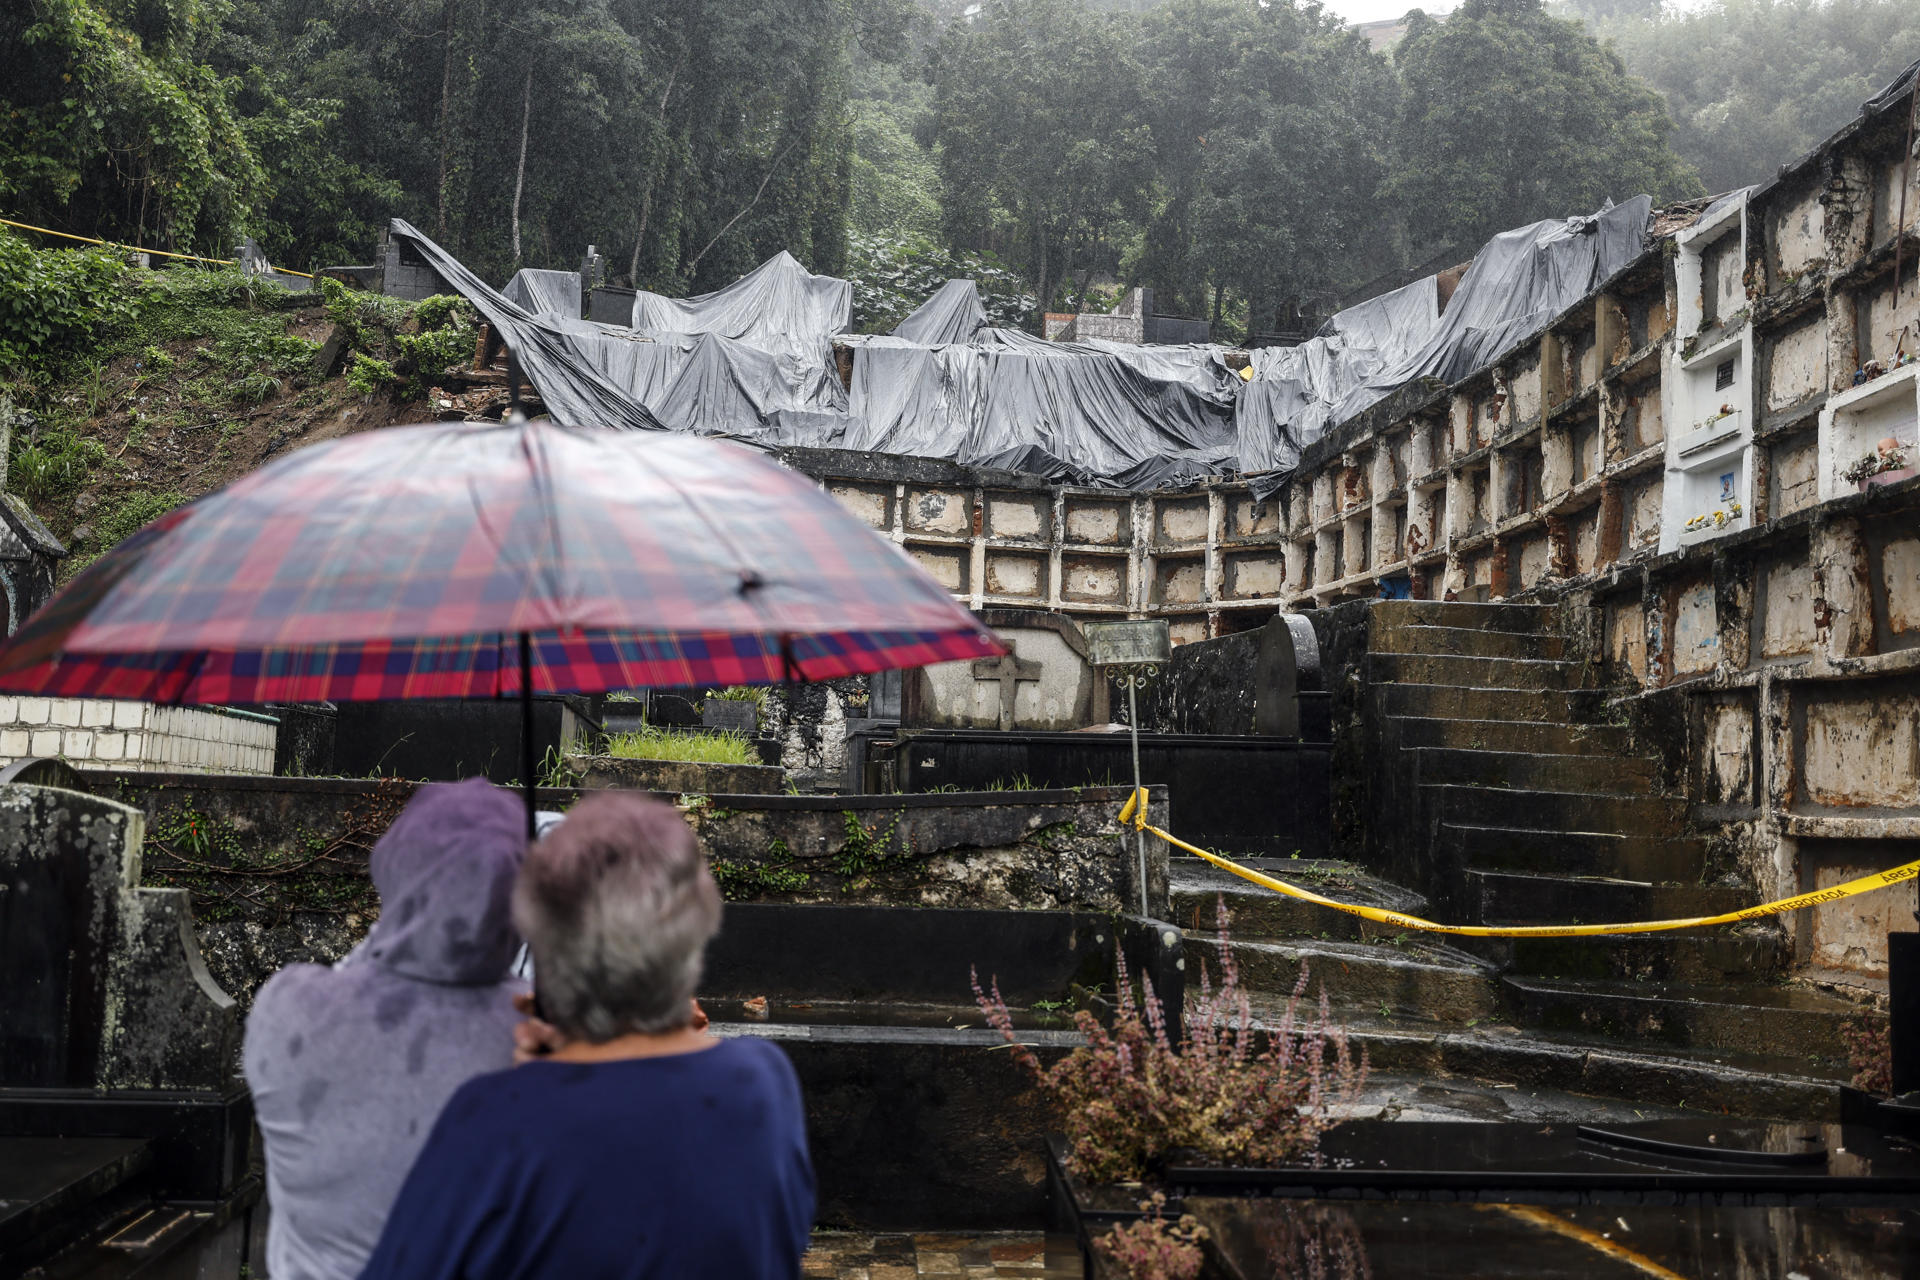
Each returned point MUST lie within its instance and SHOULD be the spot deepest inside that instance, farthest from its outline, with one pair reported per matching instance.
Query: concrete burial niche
(123, 1130)
(1239, 732)
(1046, 683)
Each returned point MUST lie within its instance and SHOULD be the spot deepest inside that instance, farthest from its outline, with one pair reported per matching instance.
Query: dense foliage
(1753, 84)
(1511, 115)
(1246, 158)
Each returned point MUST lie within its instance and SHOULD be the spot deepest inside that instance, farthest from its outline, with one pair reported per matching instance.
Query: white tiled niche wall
(137, 735)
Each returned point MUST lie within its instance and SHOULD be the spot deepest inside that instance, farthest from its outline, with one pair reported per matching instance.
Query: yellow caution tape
(158, 253)
(1133, 814)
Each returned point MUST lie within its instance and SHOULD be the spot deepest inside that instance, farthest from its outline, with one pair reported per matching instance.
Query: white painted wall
(136, 735)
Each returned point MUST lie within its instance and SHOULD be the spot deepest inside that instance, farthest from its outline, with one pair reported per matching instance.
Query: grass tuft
(653, 743)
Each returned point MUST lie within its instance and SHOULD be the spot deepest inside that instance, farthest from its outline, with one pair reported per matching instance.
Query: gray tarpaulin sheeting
(777, 307)
(572, 389)
(1519, 281)
(755, 360)
(1067, 411)
(545, 293)
(953, 314)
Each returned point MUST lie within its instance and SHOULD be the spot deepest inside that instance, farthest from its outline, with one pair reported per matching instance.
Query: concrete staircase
(1495, 787)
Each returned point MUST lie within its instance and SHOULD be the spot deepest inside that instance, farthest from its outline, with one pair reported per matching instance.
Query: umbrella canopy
(409, 562)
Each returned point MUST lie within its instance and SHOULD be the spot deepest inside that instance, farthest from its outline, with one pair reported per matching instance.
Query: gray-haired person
(640, 1146)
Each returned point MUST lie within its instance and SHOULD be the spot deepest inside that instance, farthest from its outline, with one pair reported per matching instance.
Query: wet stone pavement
(852, 1255)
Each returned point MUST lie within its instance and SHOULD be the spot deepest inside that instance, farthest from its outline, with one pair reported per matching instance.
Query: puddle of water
(1527, 1242)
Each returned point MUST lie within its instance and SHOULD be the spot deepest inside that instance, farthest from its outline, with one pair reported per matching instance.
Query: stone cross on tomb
(1008, 671)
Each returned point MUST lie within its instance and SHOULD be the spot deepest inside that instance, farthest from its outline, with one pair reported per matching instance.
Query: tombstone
(1290, 695)
(1045, 684)
(593, 274)
(119, 1099)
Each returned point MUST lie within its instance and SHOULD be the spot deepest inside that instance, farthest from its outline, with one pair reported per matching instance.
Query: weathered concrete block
(106, 989)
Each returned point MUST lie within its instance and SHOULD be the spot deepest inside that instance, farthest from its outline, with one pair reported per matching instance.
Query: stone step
(1409, 978)
(1591, 775)
(1514, 897)
(1648, 856)
(1470, 642)
(1769, 1085)
(1474, 673)
(1511, 735)
(1197, 887)
(1703, 956)
(1743, 1019)
(1551, 811)
(1387, 614)
(1461, 702)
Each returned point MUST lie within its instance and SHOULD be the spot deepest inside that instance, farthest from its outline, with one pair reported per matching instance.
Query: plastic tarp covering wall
(708, 385)
(1519, 281)
(777, 307)
(1068, 411)
(545, 294)
(953, 314)
(1293, 394)
(574, 391)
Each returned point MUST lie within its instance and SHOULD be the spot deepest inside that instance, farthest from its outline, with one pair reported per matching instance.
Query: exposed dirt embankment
(211, 380)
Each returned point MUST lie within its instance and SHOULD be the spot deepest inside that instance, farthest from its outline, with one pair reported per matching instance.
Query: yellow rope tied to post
(158, 253)
(1134, 814)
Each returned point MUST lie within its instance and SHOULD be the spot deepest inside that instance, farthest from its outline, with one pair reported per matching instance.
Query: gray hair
(617, 905)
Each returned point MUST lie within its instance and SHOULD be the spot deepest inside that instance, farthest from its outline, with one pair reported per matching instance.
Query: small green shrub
(396, 347)
(58, 462)
(121, 519)
(255, 388)
(55, 299)
(652, 743)
(369, 376)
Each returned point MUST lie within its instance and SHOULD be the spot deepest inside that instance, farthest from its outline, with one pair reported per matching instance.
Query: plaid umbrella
(442, 561)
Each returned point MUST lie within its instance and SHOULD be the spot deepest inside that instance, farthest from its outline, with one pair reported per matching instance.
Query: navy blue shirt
(670, 1168)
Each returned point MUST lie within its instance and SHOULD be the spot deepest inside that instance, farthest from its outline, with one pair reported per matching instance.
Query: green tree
(116, 124)
(1755, 84)
(1510, 115)
(1043, 151)
(1267, 121)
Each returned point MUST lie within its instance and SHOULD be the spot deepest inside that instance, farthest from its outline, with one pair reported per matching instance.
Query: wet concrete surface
(1346, 1242)
(843, 1255)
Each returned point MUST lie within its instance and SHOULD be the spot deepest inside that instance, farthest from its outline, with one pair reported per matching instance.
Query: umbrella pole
(526, 731)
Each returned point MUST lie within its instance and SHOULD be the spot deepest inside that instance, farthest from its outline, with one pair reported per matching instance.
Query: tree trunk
(446, 111)
(744, 209)
(520, 173)
(646, 192)
(1042, 281)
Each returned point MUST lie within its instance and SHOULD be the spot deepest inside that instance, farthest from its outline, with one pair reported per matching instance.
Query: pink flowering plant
(1229, 1092)
(1154, 1247)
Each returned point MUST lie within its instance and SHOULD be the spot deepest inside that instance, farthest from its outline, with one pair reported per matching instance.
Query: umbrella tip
(750, 579)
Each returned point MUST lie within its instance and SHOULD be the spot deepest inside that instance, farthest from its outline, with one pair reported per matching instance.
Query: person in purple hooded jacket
(640, 1147)
(351, 1064)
